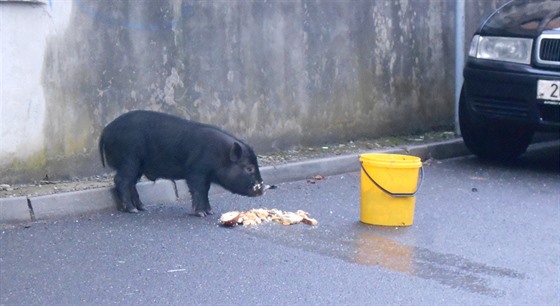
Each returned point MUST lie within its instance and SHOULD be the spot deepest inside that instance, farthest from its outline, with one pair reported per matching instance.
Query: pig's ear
(235, 152)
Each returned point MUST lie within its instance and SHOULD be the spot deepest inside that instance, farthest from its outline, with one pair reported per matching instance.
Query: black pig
(159, 145)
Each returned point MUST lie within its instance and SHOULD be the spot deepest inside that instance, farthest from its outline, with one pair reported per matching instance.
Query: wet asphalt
(482, 234)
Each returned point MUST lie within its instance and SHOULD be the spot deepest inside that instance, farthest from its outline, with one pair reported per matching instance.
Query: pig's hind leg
(136, 198)
(125, 184)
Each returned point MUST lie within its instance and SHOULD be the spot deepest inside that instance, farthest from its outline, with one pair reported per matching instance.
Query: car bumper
(496, 91)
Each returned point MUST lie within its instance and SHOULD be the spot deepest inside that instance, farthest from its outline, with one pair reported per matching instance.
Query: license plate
(548, 90)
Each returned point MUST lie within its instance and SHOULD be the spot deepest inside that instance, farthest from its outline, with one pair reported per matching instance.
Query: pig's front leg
(198, 188)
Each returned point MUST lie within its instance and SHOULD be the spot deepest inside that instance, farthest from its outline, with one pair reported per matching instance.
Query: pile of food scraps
(260, 215)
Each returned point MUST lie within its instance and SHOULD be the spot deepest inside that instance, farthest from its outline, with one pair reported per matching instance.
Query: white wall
(24, 28)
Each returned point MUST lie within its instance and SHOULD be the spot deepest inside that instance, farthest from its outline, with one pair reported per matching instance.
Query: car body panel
(507, 91)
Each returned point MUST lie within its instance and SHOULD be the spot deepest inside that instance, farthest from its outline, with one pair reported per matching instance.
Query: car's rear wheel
(493, 141)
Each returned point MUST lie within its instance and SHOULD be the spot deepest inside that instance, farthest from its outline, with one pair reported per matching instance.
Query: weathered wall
(276, 73)
(24, 31)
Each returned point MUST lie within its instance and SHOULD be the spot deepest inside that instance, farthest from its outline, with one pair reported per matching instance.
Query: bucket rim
(391, 160)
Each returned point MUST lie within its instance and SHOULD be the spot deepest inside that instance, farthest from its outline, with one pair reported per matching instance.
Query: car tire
(495, 141)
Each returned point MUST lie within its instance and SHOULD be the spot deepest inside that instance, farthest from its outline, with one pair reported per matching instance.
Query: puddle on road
(447, 269)
(362, 246)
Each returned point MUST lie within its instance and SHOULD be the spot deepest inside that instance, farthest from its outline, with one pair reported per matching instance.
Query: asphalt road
(482, 234)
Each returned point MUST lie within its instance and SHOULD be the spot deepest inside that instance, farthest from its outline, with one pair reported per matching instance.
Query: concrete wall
(279, 74)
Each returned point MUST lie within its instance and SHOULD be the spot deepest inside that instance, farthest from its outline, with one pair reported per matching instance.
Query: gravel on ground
(44, 187)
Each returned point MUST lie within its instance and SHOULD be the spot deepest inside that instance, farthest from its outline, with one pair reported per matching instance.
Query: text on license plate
(548, 90)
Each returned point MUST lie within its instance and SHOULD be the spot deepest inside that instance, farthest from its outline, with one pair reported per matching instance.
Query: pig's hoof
(141, 208)
(209, 212)
(132, 210)
(199, 213)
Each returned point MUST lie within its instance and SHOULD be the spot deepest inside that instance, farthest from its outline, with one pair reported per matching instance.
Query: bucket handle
(395, 194)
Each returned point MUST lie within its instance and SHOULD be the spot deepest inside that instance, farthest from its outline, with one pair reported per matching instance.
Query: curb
(25, 209)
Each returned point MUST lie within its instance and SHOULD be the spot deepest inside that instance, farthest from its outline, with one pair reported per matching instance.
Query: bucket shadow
(450, 270)
(370, 246)
(377, 250)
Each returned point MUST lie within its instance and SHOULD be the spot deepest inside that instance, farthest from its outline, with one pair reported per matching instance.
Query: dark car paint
(515, 88)
(499, 111)
(513, 85)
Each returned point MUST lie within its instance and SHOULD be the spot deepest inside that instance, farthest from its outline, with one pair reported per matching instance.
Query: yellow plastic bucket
(389, 183)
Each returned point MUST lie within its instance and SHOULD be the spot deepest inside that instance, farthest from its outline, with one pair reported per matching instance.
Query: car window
(523, 18)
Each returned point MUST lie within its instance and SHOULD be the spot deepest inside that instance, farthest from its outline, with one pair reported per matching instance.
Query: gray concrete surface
(162, 191)
(278, 74)
(483, 234)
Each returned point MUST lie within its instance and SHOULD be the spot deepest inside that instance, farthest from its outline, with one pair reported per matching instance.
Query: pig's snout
(258, 189)
(261, 187)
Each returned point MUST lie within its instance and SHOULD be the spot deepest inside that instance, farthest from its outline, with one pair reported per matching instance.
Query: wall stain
(277, 74)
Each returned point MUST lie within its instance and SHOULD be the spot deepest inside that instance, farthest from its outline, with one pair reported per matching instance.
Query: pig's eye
(250, 169)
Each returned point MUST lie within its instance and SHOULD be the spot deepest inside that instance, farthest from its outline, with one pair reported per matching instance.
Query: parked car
(511, 85)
